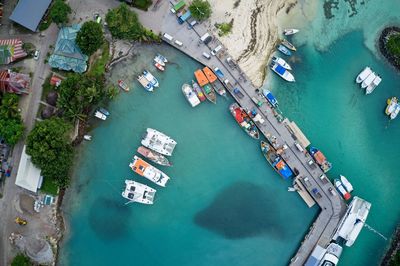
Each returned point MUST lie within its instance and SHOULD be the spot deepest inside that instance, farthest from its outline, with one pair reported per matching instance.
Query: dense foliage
(124, 24)
(142, 4)
(90, 37)
(11, 126)
(21, 260)
(393, 45)
(59, 12)
(224, 28)
(51, 149)
(78, 93)
(200, 9)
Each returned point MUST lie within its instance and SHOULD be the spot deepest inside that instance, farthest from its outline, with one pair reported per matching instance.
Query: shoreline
(393, 248)
(386, 32)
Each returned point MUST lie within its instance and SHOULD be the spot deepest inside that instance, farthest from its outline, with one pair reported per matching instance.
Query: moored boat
(190, 95)
(377, 80)
(153, 156)
(123, 85)
(143, 168)
(163, 58)
(338, 184)
(104, 111)
(368, 80)
(320, 158)
(244, 121)
(290, 31)
(209, 75)
(151, 78)
(198, 91)
(145, 83)
(281, 62)
(138, 192)
(219, 88)
(100, 115)
(159, 60)
(288, 45)
(159, 67)
(159, 142)
(270, 98)
(391, 105)
(347, 185)
(284, 50)
(209, 93)
(219, 73)
(282, 72)
(275, 160)
(396, 111)
(363, 74)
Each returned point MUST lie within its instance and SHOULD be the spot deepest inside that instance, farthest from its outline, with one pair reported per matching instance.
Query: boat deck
(332, 207)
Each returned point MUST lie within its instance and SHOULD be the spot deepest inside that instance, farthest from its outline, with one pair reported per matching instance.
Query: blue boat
(271, 99)
(219, 73)
(284, 50)
(275, 160)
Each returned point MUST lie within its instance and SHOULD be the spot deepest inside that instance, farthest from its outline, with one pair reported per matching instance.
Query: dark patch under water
(113, 225)
(242, 210)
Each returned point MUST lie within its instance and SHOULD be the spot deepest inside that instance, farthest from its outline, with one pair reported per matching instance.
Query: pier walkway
(332, 206)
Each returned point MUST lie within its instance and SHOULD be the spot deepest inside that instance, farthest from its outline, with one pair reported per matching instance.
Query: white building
(28, 175)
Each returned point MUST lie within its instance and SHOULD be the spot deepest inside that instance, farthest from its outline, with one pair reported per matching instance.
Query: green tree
(59, 12)
(51, 149)
(11, 126)
(393, 45)
(200, 9)
(90, 37)
(124, 23)
(21, 260)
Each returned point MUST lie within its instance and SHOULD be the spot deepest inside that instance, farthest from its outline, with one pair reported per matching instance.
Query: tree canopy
(200, 9)
(50, 148)
(21, 260)
(393, 45)
(90, 37)
(59, 12)
(11, 126)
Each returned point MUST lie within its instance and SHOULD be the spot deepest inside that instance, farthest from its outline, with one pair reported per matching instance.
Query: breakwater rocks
(393, 249)
(386, 33)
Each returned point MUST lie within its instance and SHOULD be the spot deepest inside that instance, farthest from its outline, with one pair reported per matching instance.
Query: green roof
(179, 5)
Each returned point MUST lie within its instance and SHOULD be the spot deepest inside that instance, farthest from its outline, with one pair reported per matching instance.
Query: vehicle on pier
(238, 93)
(275, 160)
(244, 120)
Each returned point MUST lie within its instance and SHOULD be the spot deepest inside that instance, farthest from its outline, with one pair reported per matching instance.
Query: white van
(179, 43)
(206, 55)
(216, 49)
(205, 36)
(168, 37)
(298, 146)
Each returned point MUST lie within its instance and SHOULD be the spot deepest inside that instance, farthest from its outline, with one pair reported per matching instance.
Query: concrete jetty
(187, 40)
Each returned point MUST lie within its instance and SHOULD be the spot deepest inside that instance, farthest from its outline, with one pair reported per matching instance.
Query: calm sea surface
(224, 204)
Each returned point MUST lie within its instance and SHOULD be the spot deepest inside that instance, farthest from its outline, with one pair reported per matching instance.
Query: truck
(238, 93)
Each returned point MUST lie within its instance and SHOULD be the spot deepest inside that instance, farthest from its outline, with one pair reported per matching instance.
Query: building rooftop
(28, 176)
(11, 50)
(29, 13)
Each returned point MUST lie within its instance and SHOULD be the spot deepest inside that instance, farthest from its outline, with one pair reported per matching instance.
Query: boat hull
(153, 156)
(209, 93)
(244, 121)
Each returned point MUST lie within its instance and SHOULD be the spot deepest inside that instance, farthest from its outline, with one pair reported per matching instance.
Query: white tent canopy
(28, 175)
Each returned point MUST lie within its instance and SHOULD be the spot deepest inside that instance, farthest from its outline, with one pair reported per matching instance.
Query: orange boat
(201, 78)
(209, 74)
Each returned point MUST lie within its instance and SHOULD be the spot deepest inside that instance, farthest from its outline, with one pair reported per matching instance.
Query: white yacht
(151, 78)
(353, 221)
(100, 115)
(396, 111)
(137, 192)
(290, 31)
(363, 75)
(377, 80)
(158, 142)
(143, 168)
(190, 95)
(281, 62)
(282, 72)
(347, 185)
(368, 80)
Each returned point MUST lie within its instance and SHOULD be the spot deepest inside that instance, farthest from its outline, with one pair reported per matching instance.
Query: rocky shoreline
(383, 38)
(393, 249)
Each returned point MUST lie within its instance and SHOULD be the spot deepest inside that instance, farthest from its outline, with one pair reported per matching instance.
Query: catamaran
(338, 184)
(391, 105)
(159, 142)
(151, 78)
(282, 72)
(281, 62)
(153, 156)
(371, 87)
(244, 121)
(143, 168)
(288, 45)
(190, 95)
(290, 31)
(145, 83)
(138, 192)
(368, 80)
(363, 75)
(347, 185)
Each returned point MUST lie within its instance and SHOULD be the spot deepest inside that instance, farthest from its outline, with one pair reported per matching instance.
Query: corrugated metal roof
(29, 13)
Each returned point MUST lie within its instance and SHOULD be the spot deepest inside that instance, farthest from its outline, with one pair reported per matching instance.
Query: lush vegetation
(200, 9)
(51, 150)
(124, 24)
(393, 45)
(90, 37)
(142, 4)
(21, 260)
(59, 12)
(395, 261)
(224, 28)
(98, 66)
(11, 126)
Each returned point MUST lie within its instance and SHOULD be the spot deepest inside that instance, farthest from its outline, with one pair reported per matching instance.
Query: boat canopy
(238, 115)
(210, 75)
(179, 6)
(319, 157)
(200, 77)
(280, 69)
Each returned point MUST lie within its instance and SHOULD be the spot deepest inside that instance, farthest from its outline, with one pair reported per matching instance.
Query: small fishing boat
(145, 83)
(219, 88)
(282, 72)
(159, 60)
(100, 115)
(159, 67)
(153, 156)
(158, 141)
(338, 184)
(219, 73)
(138, 192)
(284, 50)
(198, 91)
(391, 105)
(281, 62)
(143, 168)
(123, 85)
(244, 121)
(396, 111)
(288, 45)
(190, 95)
(104, 111)
(363, 74)
(347, 185)
(209, 93)
(163, 58)
(368, 80)
(270, 98)
(288, 32)
(275, 160)
(151, 78)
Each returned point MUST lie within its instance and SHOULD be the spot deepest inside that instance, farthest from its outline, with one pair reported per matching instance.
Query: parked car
(36, 55)
(332, 191)
(316, 193)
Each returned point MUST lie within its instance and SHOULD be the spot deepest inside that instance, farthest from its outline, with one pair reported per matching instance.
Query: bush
(224, 28)
(90, 37)
(200, 9)
(11, 126)
(21, 260)
(59, 12)
(142, 4)
(393, 45)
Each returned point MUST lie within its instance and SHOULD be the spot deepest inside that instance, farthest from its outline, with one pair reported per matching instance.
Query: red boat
(159, 67)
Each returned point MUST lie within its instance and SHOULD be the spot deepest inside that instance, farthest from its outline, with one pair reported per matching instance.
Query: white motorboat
(371, 87)
(143, 168)
(87, 137)
(151, 78)
(347, 185)
(290, 31)
(363, 75)
(165, 60)
(138, 192)
(190, 95)
(159, 142)
(145, 83)
(159, 60)
(282, 72)
(368, 80)
(339, 185)
(100, 115)
(396, 111)
(391, 105)
(282, 62)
